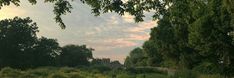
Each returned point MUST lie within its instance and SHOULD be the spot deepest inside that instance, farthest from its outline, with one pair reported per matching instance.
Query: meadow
(97, 72)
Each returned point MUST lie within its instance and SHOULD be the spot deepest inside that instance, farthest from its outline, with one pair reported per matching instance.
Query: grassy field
(65, 72)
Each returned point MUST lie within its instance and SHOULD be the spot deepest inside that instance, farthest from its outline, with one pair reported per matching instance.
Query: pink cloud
(121, 42)
(128, 18)
(138, 37)
(142, 27)
(105, 45)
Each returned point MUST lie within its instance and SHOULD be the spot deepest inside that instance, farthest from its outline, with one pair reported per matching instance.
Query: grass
(66, 72)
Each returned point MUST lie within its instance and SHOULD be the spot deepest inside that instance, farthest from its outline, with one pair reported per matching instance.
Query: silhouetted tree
(154, 57)
(75, 55)
(46, 51)
(20, 47)
(17, 37)
(136, 58)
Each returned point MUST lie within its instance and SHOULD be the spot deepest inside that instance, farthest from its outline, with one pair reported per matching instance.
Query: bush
(210, 76)
(207, 68)
(145, 70)
(28, 75)
(185, 73)
(100, 68)
(58, 75)
(40, 72)
(151, 75)
(9, 73)
(125, 76)
(75, 75)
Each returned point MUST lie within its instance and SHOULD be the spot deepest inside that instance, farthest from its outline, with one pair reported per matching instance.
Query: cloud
(110, 35)
(10, 12)
(128, 18)
(142, 27)
(121, 43)
(138, 37)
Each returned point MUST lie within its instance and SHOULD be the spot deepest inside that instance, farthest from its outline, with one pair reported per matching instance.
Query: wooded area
(193, 35)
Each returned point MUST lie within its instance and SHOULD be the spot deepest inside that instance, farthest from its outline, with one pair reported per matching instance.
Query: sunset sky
(111, 35)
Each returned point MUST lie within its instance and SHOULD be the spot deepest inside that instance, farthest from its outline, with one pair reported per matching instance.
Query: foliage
(136, 58)
(68, 72)
(9, 73)
(16, 36)
(21, 48)
(74, 55)
(46, 52)
(192, 35)
(184, 73)
(154, 58)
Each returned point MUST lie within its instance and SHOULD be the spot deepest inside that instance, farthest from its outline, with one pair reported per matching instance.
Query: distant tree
(101, 61)
(105, 62)
(127, 62)
(163, 37)
(75, 55)
(17, 36)
(136, 58)
(45, 52)
(154, 58)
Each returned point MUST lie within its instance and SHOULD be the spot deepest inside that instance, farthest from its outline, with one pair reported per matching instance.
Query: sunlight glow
(10, 12)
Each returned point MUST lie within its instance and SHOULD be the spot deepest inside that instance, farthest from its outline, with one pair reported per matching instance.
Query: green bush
(75, 75)
(123, 75)
(9, 73)
(145, 70)
(185, 73)
(211, 76)
(66, 72)
(207, 68)
(26, 75)
(151, 75)
(58, 75)
(100, 68)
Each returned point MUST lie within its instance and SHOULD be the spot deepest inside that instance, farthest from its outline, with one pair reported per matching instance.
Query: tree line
(21, 48)
(191, 34)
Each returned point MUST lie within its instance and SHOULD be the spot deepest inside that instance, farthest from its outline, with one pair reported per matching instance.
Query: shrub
(28, 75)
(9, 73)
(185, 73)
(207, 68)
(40, 72)
(75, 75)
(125, 76)
(58, 75)
(210, 76)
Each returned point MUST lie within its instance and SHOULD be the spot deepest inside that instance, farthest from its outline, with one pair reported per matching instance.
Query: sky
(112, 36)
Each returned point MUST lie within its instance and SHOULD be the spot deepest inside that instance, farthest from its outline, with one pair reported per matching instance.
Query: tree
(75, 55)
(154, 58)
(20, 47)
(209, 35)
(45, 52)
(133, 7)
(105, 63)
(17, 36)
(136, 58)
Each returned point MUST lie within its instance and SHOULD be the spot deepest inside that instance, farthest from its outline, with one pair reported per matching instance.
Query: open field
(66, 72)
